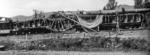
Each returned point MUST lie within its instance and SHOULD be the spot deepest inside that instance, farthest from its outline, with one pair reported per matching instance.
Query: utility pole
(26, 31)
(118, 22)
(118, 25)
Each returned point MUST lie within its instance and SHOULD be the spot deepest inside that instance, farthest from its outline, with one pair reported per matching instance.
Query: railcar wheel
(60, 25)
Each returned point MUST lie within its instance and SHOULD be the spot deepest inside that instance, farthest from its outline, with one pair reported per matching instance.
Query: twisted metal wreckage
(80, 21)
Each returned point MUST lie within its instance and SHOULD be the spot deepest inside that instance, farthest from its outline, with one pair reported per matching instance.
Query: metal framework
(63, 21)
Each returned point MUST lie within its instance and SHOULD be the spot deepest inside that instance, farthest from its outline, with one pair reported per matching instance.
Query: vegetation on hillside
(141, 4)
(111, 5)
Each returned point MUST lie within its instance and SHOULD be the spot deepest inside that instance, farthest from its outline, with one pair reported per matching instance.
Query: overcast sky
(10, 8)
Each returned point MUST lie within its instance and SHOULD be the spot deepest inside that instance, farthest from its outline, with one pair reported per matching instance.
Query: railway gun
(82, 21)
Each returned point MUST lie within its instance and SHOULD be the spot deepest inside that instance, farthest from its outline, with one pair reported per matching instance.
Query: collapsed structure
(79, 21)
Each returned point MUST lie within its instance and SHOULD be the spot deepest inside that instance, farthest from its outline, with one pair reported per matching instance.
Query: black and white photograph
(74, 27)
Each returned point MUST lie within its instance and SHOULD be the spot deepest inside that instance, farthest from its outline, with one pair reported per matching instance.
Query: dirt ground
(124, 34)
(69, 53)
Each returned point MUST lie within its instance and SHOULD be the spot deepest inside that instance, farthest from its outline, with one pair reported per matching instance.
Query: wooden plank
(64, 23)
(52, 24)
(98, 28)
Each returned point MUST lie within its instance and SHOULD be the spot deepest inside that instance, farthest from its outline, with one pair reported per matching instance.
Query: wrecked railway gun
(82, 21)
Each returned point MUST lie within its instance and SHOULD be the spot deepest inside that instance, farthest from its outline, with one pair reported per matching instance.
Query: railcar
(81, 21)
(5, 25)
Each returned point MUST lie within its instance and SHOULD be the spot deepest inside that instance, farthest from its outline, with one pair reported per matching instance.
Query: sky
(10, 8)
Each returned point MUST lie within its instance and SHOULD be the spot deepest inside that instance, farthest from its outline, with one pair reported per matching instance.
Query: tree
(142, 4)
(138, 3)
(147, 5)
(104, 8)
(112, 4)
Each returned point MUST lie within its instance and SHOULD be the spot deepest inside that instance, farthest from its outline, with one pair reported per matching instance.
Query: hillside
(23, 18)
(125, 7)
